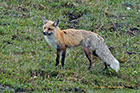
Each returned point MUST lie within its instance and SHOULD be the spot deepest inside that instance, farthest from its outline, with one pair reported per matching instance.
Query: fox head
(49, 27)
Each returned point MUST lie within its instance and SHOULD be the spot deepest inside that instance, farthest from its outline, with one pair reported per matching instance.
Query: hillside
(27, 62)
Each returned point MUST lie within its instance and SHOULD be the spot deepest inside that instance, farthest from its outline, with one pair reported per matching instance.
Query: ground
(27, 62)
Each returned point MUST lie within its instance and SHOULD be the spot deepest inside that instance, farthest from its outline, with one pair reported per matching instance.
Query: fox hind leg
(88, 55)
(106, 66)
(94, 53)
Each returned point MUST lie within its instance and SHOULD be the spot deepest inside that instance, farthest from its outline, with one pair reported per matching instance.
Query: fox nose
(45, 33)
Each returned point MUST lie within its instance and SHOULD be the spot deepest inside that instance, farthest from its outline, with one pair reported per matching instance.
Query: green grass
(27, 62)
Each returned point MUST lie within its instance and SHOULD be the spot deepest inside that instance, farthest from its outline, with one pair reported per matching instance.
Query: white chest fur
(51, 40)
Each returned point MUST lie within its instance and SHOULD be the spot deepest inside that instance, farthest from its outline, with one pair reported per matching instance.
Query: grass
(27, 62)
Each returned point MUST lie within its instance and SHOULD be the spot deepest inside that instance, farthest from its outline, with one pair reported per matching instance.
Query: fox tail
(105, 55)
(97, 45)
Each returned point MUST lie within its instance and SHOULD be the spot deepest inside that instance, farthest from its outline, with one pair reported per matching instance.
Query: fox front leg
(63, 56)
(58, 57)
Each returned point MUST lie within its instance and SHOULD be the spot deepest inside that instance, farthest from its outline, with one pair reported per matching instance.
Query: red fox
(91, 42)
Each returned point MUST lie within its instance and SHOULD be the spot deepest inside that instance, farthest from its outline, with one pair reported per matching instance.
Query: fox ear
(55, 24)
(44, 20)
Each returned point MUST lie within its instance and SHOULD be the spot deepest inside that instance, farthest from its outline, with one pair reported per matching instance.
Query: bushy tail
(96, 43)
(105, 55)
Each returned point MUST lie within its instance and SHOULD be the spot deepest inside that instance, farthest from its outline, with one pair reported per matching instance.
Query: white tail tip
(115, 65)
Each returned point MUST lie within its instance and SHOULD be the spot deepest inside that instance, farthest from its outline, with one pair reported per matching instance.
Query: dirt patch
(128, 5)
(4, 24)
(74, 15)
(131, 53)
(68, 5)
(4, 87)
(73, 19)
(17, 11)
(133, 31)
(22, 9)
(116, 27)
(119, 27)
(1, 33)
(39, 7)
(73, 24)
(8, 42)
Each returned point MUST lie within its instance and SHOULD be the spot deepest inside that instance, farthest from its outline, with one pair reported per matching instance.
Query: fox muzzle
(44, 33)
(47, 33)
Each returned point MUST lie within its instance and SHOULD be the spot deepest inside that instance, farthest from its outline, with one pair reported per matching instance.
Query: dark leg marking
(94, 53)
(106, 66)
(58, 57)
(88, 55)
(63, 57)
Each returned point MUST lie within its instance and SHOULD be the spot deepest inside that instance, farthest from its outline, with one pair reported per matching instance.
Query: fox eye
(50, 29)
(44, 27)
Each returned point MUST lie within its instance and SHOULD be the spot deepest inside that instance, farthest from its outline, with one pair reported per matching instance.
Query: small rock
(128, 8)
